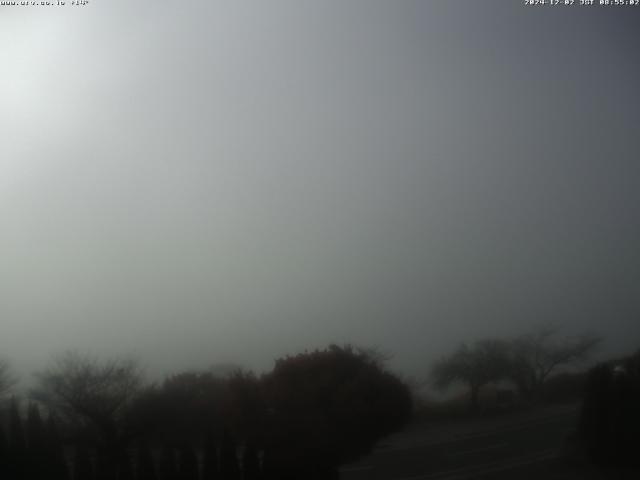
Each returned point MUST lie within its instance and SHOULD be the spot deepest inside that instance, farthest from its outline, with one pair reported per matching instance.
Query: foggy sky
(204, 182)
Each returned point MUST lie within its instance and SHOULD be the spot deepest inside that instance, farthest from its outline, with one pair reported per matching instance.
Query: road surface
(503, 447)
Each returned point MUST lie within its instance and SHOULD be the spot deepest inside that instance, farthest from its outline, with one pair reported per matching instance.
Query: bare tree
(476, 365)
(376, 355)
(90, 392)
(537, 355)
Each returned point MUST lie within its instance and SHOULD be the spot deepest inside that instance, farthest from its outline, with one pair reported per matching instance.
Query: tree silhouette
(37, 444)
(18, 461)
(535, 356)
(4, 455)
(244, 410)
(476, 365)
(609, 420)
(182, 408)
(93, 395)
(168, 467)
(125, 469)
(250, 463)
(57, 466)
(328, 407)
(210, 469)
(107, 463)
(228, 458)
(81, 387)
(82, 467)
(36, 434)
(146, 468)
(16, 432)
(188, 466)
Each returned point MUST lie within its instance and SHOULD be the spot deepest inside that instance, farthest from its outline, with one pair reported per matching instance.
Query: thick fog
(196, 183)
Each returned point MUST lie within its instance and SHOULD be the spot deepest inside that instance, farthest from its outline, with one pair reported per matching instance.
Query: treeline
(528, 362)
(31, 450)
(35, 450)
(313, 412)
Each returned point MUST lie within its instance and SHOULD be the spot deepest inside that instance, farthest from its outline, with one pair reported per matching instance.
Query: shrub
(610, 420)
(331, 406)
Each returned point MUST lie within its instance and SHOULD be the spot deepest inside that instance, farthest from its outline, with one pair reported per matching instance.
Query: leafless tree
(476, 365)
(537, 355)
(376, 355)
(90, 392)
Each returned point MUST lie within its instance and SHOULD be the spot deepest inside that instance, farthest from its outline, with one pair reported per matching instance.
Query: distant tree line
(313, 412)
(528, 361)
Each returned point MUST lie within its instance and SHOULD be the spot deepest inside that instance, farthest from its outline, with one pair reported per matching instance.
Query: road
(510, 445)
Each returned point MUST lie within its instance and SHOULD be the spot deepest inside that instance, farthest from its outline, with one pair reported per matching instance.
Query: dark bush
(610, 419)
(313, 412)
(210, 457)
(563, 387)
(168, 466)
(181, 409)
(4, 455)
(56, 465)
(188, 467)
(82, 467)
(329, 407)
(250, 463)
(146, 468)
(229, 469)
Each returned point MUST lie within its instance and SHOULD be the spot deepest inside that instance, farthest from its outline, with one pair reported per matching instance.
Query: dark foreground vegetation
(540, 369)
(604, 444)
(313, 412)
(610, 419)
(522, 371)
(98, 420)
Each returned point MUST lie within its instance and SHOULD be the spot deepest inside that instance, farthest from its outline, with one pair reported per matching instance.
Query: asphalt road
(504, 447)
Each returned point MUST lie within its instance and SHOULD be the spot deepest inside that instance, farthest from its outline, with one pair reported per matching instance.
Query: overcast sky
(206, 181)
